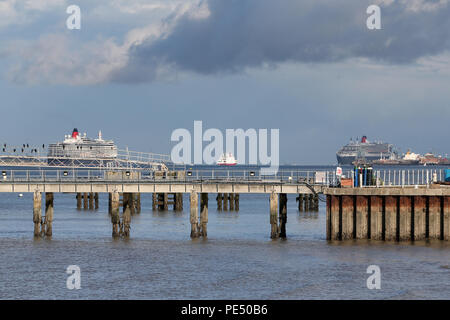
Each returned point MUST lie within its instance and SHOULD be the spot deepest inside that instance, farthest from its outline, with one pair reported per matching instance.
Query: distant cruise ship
(82, 150)
(227, 159)
(365, 151)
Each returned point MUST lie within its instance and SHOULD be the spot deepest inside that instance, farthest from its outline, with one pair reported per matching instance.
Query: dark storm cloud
(248, 33)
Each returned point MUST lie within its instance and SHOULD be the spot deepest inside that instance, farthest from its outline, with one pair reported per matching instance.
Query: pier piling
(37, 213)
(204, 214)
(194, 214)
(225, 201)
(115, 217)
(376, 214)
(283, 215)
(79, 198)
(48, 213)
(274, 215)
(219, 201)
(85, 201)
(236, 202)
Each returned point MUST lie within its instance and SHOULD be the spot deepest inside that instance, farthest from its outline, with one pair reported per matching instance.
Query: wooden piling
(446, 219)
(347, 217)
(194, 214)
(362, 217)
(231, 201)
(434, 218)
(96, 200)
(85, 200)
(79, 198)
(48, 213)
(204, 214)
(91, 201)
(336, 218)
(115, 217)
(225, 202)
(405, 218)
(219, 201)
(274, 215)
(109, 202)
(138, 203)
(300, 202)
(37, 213)
(390, 218)
(236, 202)
(420, 217)
(283, 215)
(126, 217)
(376, 218)
(154, 201)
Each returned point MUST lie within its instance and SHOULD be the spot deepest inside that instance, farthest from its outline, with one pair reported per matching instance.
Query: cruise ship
(365, 151)
(79, 149)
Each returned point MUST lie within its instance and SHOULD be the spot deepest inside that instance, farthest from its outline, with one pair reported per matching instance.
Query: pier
(379, 211)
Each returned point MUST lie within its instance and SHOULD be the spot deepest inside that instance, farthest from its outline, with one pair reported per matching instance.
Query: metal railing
(400, 177)
(379, 178)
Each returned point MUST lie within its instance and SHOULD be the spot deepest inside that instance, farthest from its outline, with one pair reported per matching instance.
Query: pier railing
(379, 178)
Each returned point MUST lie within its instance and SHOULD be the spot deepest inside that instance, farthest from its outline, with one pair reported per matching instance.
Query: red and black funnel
(75, 133)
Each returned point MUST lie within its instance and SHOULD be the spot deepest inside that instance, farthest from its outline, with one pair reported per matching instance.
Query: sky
(138, 70)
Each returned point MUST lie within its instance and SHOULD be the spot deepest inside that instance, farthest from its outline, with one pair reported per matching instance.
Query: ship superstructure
(80, 147)
(366, 151)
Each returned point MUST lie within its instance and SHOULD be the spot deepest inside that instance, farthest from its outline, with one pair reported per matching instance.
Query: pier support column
(115, 217)
(85, 201)
(274, 215)
(306, 202)
(79, 201)
(300, 202)
(225, 202)
(316, 202)
(37, 213)
(126, 216)
(231, 201)
(194, 214)
(96, 200)
(376, 218)
(178, 202)
(138, 202)
(405, 218)
(219, 202)
(446, 220)
(390, 218)
(347, 217)
(335, 216)
(91, 201)
(420, 217)
(283, 215)
(434, 218)
(236, 202)
(48, 213)
(109, 202)
(204, 214)
(166, 201)
(362, 217)
(154, 201)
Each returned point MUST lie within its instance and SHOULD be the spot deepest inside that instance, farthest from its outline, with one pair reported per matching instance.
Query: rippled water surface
(237, 261)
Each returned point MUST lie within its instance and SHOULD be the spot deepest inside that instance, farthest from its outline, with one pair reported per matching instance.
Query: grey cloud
(249, 33)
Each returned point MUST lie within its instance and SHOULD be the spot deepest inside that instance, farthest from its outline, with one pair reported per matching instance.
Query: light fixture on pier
(189, 173)
(65, 173)
(127, 173)
(252, 173)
